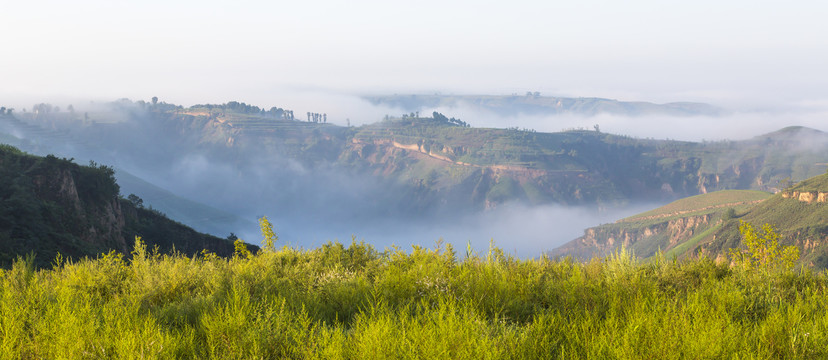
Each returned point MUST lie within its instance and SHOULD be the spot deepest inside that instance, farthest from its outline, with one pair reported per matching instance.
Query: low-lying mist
(518, 229)
(733, 125)
(310, 205)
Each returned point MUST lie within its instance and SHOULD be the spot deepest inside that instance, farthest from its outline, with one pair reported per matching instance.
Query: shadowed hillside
(50, 205)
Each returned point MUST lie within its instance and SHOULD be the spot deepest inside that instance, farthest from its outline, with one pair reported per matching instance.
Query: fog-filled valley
(414, 176)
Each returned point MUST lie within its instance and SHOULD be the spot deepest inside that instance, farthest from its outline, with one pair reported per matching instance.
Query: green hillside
(676, 228)
(701, 204)
(579, 166)
(710, 224)
(799, 215)
(50, 205)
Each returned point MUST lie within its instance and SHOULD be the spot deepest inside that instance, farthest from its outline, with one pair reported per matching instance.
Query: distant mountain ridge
(534, 103)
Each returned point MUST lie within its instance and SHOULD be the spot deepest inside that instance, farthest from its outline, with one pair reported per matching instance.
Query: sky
(744, 55)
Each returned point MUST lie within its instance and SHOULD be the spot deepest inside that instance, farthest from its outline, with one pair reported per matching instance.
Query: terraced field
(702, 204)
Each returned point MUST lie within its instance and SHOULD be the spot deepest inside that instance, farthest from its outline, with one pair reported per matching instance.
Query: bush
(763, 251)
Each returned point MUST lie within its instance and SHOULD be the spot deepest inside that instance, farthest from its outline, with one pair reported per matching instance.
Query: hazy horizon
(741, 55)
(345, 109)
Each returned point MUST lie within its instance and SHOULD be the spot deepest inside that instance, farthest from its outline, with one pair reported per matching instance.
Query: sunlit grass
(352, 301)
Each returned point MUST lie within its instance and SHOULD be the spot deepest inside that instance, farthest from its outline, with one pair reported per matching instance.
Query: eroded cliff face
(742, 175)
(439, 177)
(59, 186)
(809, 197)
(98, 223)
(108, 225)
(605, 239)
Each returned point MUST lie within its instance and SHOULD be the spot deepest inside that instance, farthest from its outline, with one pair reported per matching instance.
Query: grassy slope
(699, 205)
(651, 231)
(801, 224)
(690, 244)
(713, 205)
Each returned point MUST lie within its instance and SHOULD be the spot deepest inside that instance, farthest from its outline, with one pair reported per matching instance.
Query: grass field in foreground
(338, 302)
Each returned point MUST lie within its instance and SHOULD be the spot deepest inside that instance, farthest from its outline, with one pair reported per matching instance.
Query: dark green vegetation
(50, 205)
(710, 224)
(534, 103)
(336, 302)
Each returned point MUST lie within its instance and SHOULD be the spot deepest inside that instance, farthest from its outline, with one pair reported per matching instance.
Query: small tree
(763, 250)
(136, 201)
(270, 237)
(730, 213)
(240, 250)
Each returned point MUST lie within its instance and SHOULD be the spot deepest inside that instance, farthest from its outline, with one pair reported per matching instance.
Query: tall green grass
(354, 302)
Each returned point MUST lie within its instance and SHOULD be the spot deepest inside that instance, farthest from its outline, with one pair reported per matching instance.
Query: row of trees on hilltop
(241, 107)
(435, 116)
(234, 106)
(38, 108)
(442, 118)
(317, 117)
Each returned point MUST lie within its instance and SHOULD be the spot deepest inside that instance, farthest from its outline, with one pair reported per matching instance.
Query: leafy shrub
(763, 251)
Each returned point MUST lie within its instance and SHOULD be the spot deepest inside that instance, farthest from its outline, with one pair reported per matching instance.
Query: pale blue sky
(740, 53)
